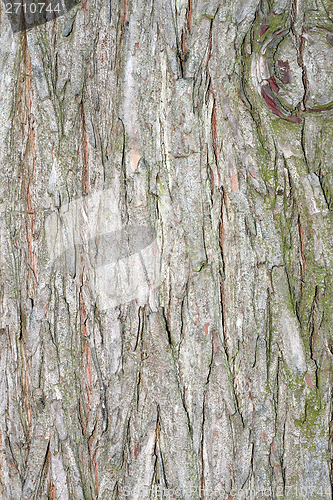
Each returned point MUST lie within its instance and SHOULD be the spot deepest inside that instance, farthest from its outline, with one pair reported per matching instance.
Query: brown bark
(166, 252)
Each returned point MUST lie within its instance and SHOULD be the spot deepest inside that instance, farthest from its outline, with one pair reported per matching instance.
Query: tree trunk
(166, 251)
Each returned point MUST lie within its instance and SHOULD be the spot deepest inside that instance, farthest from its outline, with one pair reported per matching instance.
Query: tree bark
(166, 251)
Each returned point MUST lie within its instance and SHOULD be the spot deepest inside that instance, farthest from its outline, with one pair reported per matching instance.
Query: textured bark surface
(166, 196)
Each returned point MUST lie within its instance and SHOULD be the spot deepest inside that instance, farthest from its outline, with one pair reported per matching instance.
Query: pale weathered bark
(166, 251)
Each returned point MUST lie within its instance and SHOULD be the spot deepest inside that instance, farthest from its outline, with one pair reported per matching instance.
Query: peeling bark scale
(166, 286)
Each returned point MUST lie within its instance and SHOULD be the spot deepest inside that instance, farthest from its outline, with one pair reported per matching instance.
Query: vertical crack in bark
(124, 179)
(162, 475)
(45, 466)
(85, 172)
(185, 36)
(325, 188)
(141, 315)
(167, 326)
(202, 441)
(303, 139)
(313, 330)
(302, 250)
(14, 463)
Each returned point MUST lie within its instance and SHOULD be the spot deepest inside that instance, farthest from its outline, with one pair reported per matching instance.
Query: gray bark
(166, 252)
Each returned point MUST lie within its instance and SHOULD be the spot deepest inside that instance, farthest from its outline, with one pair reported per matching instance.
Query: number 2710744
(32, 8)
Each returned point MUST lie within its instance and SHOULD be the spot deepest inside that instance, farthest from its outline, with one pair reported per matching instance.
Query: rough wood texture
(194, 358)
